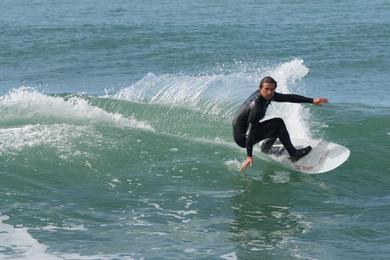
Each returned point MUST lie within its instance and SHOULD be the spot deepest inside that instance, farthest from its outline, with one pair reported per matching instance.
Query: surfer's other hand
(248, 161)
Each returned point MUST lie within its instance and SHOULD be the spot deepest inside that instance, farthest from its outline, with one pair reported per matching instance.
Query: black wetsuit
(247, 128)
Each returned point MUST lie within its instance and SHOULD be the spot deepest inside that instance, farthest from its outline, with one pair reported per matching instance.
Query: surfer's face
(268, 90)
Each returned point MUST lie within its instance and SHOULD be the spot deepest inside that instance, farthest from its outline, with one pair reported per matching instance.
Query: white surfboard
(324, 157)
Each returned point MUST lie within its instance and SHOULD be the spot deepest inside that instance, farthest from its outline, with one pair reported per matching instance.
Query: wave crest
(26, 103)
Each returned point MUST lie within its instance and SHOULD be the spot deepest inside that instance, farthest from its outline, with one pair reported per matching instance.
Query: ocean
(116, 138)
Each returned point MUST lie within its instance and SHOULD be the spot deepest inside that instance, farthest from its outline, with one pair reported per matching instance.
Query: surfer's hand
(246, 163)
(319, 101)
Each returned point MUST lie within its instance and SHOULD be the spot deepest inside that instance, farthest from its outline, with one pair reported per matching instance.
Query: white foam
(230, 256)
(20, 243)
(189, 250)
(233, 165)
(296, 116)
(17, 243)
(60, 137)
(177, 214)
(280, 177)
(99, 256)
(27, 103)
(66, 227)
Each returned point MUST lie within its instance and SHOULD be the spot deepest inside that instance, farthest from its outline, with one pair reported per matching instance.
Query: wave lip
(221, 94)
(27, 103)
(204, 93)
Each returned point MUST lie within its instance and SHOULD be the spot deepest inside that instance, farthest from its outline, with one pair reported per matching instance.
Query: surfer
(248, 130)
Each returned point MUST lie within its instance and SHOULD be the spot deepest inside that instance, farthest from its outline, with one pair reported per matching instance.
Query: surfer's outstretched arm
(293, 98)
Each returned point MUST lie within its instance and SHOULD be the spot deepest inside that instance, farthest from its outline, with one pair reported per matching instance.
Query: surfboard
(324, 157)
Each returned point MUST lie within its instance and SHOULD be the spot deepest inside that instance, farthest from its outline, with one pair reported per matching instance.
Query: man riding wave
(248, 130)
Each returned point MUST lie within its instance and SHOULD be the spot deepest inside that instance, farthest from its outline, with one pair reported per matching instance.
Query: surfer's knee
(279, 121)
(280, 125)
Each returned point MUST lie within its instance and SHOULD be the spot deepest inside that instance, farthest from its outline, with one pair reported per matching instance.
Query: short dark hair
(268, 79)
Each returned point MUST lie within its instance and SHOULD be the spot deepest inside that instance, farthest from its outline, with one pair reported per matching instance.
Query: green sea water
(116, 139)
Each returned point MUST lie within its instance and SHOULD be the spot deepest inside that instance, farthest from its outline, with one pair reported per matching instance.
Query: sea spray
(221, 94)
(27, 104)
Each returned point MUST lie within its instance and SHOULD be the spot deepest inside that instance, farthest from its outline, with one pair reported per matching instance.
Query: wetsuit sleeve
(292, 98)
(252, 122)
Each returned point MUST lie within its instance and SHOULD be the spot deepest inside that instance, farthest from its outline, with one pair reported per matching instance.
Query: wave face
(219, 95)
(116, 137)
(185, 106)
(154, 163)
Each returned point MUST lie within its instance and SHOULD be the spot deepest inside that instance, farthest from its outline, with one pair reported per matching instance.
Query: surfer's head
(267, 87)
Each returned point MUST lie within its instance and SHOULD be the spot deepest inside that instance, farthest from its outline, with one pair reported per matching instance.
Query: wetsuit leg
(267, 144)
(274, 128)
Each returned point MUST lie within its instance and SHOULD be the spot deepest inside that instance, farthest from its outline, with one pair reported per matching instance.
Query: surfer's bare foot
(300, 153)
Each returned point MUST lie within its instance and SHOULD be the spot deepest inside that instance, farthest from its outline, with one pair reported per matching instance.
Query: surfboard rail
(324, 157)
